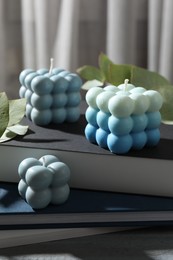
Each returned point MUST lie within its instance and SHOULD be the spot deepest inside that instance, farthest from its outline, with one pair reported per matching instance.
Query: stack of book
(106, 190)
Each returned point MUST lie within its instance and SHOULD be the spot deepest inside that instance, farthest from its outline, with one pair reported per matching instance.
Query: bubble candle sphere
(123, 117)
(53, 96)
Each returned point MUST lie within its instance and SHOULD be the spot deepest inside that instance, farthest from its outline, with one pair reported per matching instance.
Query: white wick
(126, 81)
(51, 66)
(44, 161)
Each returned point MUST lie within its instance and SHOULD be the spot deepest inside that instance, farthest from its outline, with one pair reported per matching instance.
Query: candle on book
(124, 117)
(43, 181)
(53, 96)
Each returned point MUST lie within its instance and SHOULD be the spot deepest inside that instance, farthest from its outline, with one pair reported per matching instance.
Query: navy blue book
(84, 208)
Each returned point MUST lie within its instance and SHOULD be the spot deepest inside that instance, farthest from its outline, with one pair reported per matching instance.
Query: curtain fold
(43, 40)
(154, 33)
(166, 48)
(3, 50)
(66, 42)
(28, 34)
(41, 16)
(118, 30)
(160, 43)
(127, 31)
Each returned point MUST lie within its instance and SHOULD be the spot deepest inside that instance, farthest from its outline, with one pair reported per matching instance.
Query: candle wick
(44, 161)
(51, 66)
(126, 81)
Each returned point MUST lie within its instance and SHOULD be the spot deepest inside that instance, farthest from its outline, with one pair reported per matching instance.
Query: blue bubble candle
(124, 117)
(43, 181)
(53, 96)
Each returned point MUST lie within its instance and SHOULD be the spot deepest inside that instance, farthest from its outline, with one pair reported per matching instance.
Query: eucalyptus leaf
(118, 73)
(7, 135)
(18, 129)
(167, 108)
(104, 64)
(12, 132)
(92, 83)
(4, 112)
(90, 72)
(16, 110)
(147, 79)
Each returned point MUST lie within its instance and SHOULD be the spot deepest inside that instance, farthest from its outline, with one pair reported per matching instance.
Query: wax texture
(43, 181)
(51, 97)
(124, 117)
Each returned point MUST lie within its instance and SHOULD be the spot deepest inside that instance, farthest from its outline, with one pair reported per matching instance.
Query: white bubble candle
(124, 117)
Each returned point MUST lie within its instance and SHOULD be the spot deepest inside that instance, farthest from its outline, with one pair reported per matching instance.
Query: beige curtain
(10, 46)
(70, 31)
(74, 32)
(126, 36)
(141, 32)
(160, 33)
(128, 31)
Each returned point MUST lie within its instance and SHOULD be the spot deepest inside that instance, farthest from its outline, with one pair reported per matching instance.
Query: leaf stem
(44, 162)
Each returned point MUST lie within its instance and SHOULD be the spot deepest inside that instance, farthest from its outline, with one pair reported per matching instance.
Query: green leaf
(147, 79)
(12, 132)
(167, 108)
(16, 110)
(18, 129)
(118, 73)
(92, 83)
(7, 135)
(104, 64)
(11, 113)
(152, 80)
(90, 73)
(4, 112)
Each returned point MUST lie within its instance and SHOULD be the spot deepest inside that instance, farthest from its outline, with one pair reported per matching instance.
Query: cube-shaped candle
(52, 96)
(123, 117)
(43, 181)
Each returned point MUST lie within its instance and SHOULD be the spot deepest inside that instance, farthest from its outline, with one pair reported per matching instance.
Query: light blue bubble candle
(44, 181)
(123, 117)
(53, 96)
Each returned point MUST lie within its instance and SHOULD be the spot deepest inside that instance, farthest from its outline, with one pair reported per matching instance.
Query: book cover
(148, 171)
(84, 208)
